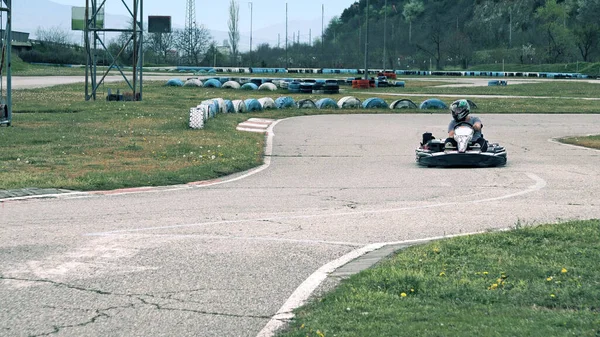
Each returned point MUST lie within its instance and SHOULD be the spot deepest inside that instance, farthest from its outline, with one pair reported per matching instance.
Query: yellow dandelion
(499, 280)
(485, 273)
(403, 294)
(436, 250)
(442, 274)
(564, 270)
(493, 286)
(552, 295)
(302, 326)
(549, 279)
(320, 334)
(412, 290)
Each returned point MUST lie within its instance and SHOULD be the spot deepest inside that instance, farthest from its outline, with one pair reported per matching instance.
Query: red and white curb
(259, 125)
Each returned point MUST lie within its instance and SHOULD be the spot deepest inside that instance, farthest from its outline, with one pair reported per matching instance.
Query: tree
(161, 44)
(193, 43)
(412, 10)
(553, 18)
(53, 35)
(234, 32)
(587, 32)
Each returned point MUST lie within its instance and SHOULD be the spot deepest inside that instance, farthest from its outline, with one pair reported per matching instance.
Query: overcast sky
(214, 14)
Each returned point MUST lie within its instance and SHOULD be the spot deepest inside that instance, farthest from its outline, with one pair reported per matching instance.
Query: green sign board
(78, 18)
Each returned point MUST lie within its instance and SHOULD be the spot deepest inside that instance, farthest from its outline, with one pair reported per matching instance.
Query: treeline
(424, 34)
(405, 34)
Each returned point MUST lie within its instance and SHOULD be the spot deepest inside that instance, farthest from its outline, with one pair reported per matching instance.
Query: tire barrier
(221, 104)
(349, 102)
(174, 82)
(268, 87)
(252, 105)
(361, 84)
(433, 103)
(285, 102)
(267, 103)
(374, 103)
(231, 85)
(306, 104)
(306, 87)
(193, 82)
(495, 83)
(212, 108)
(224, 80)
(385, 72)
(326, 103)
(229, 105)
(249, 86)
(399, 84)
(257, 81)
(403, 104)
(239, 106)
(294, 87)
(212, 83)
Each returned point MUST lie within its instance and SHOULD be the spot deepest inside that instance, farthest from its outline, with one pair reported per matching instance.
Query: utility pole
(286, 37)
(250, 3)
(367, 44)
(510, 27)
(384, 33)
(323, 26)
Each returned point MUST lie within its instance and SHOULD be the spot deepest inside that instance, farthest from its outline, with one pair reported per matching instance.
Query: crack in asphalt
(101, 313)
(58, 328)
(159, 307)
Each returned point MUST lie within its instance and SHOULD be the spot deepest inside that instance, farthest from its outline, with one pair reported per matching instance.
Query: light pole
(286, 37)
(384, 33)
(250, 3)
(367, 44)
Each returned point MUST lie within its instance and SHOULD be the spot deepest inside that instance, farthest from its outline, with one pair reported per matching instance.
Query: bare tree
(234, 32)
(161, 44)
(55, 35)
(193, 43)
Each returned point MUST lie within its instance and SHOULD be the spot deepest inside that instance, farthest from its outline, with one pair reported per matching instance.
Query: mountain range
(29, 15)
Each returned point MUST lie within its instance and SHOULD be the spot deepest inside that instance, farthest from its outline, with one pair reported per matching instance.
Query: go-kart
(465, 153)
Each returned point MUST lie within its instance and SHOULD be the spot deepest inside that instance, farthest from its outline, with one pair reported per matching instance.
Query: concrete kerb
(329, 276)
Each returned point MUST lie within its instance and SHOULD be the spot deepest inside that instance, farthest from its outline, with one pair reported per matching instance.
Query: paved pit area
(222, 260)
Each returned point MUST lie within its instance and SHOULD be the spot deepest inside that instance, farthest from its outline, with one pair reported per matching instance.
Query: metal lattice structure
(93, 38)
(5, 65)
(190, 22)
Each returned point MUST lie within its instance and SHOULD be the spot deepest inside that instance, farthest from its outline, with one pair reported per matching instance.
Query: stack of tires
(294, 87)
(361, 84)
(306, 87)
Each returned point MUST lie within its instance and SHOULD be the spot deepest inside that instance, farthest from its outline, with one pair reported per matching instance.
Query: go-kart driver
(460, 110)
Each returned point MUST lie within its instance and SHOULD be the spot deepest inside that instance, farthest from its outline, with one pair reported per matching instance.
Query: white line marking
(249, 238)
(43, 196)
(305, 290)
(539, 184)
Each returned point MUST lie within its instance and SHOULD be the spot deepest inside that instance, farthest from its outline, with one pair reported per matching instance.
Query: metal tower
(190, 25)
(93, 37)
(6, 104)
(190, 15)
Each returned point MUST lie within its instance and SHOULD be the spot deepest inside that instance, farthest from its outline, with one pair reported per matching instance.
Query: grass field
(587, 141)
(59, 140)
(532, 281)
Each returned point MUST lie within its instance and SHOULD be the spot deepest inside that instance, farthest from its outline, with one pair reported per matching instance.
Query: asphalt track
(231, 258)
